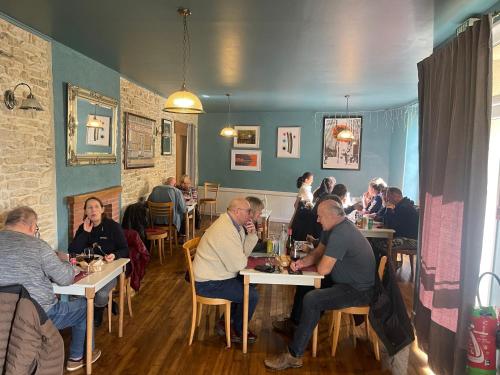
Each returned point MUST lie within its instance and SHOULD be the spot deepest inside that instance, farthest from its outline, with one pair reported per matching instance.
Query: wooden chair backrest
(381, 267)
(211, 187)
(189, 248)
(161, 210)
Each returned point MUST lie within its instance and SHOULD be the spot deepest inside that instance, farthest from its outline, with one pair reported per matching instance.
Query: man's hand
(87, 225)
(310, 239)
(389, 205)
(250, 227)
(296, 266)
(63, 256)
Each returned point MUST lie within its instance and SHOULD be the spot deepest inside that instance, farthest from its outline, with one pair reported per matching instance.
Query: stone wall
(138, 183)
(27, 161)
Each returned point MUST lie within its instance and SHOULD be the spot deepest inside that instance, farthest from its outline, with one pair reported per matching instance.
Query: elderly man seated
(223, 252)
(169, 193)
(29, 261)
(349, 262)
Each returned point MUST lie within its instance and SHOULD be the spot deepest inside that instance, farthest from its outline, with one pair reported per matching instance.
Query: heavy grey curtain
(455, 110)
(192, 153)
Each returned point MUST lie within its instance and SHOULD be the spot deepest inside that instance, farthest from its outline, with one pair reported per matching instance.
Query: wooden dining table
(87, 287)
(381, 233)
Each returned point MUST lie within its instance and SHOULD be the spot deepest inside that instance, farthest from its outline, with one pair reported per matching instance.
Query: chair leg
(330, 330)
(412, 274)
(129, 298)
(200, 311)
(351, 329)
(211, 213)
(193, 323)
(110, 307)
(374, 340)
(227, 318)
(367, 332)
(175, 237)
(160, 249)
(336, 330)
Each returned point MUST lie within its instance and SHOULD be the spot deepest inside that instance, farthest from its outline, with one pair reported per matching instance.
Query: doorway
(180, 148)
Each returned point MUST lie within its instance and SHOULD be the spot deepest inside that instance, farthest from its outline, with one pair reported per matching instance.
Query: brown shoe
(285, 326)
(75, 364)
(283, 361)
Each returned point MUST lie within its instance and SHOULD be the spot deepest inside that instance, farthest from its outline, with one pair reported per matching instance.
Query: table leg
(122, 299)
(246, 290)
(389, 251)
(187, 226)
(194, 221)
(317, 285)
(89, 294)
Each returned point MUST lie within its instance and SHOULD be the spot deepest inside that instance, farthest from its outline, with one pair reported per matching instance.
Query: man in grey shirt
(30, 261)
(349, 262)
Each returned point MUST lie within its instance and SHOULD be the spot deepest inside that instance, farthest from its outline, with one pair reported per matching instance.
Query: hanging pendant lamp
(228, 131)
(346, 135)
(94, 122)
(184, 101)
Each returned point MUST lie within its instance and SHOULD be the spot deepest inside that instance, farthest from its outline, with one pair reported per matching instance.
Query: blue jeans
(72, 314)
(231, 289)
(318, 300)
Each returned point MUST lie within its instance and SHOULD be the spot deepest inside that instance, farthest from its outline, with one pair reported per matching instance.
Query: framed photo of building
(247, 136)
(139, 141)
(342, 143)
(288, 142)
(246, 160)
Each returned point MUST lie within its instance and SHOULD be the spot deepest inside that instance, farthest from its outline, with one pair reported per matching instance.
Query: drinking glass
(88, 256)
(295, 255)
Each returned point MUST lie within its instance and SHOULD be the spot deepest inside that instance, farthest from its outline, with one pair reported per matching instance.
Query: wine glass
(88, 256)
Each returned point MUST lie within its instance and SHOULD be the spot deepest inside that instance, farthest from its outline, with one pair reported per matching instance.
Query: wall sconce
(29, 103)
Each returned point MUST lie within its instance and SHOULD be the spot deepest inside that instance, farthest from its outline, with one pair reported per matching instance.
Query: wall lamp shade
(228, 132)
(30, 102)
(94, 122)
(184, 101)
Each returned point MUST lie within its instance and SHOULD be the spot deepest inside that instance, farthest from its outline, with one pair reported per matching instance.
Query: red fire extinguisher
(483, 331)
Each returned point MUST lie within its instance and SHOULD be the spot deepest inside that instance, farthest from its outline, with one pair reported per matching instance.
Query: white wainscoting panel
(281, 203)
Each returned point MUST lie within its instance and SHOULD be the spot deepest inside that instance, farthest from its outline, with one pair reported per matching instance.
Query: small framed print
(246, 160)
(247, 136)
(288, 142)
(166, 137)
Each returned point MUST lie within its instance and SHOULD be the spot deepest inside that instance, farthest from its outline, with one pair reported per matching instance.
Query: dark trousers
(300, 292)
(231, 289)
(315, 301)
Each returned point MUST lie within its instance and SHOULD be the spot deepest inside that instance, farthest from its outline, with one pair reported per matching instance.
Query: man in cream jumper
(221, 254)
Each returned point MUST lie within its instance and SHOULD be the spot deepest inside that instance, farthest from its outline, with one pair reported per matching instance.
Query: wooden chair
(162, 210)
(198, 301)
(213, 189)
(128, 294)
(358, 310)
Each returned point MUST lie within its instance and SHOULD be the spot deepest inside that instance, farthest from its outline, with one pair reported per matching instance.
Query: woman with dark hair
(325, 188)
(302, 216)
(304, 184)
(107, 238)
(372, 199)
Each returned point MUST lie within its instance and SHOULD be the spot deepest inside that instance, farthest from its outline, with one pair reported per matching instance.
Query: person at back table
(222, 252)
(107, 239)
(30, 261)
(190, 194)
(169, 193)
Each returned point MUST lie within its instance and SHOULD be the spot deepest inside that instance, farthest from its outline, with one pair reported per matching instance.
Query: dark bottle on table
(289, 244)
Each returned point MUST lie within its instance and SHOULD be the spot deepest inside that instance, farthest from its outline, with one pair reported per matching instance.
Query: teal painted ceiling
(271, 55)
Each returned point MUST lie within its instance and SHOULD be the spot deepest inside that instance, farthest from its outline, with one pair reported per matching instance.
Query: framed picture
(341, 153)
(166, 137)
(98, 136)
(247, 136)
(245, 160)
(139, 141)
(288, 142)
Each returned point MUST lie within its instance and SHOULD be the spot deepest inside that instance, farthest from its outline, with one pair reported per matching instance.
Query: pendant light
(183, 101)
(94, 122)
(346, 135)
(228, 131)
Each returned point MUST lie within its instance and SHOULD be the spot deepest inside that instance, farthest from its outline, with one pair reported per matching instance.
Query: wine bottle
(290, 246)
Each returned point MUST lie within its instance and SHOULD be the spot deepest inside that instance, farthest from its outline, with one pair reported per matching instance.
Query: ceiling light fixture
(346, 135)
(29, 103)
(183, 101)
(94, 122)
(228, 131)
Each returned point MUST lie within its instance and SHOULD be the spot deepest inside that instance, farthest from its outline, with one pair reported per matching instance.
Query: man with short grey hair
(30, 261)
(169, 193)
(349, 262)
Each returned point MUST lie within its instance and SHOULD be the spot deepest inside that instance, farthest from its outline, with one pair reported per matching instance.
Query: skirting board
(281, 203)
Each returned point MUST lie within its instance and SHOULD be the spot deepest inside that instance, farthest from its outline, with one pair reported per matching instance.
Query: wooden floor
(155, 340)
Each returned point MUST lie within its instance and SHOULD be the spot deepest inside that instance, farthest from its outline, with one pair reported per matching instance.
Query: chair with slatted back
(162, 211)
(198, 301)
(411, 254)
(358, 310)
(212, 189)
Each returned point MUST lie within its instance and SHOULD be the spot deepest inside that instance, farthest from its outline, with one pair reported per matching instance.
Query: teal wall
(281, 174)
(69, 66)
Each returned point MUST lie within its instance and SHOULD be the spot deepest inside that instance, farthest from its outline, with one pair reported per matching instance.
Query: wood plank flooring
(155, 340)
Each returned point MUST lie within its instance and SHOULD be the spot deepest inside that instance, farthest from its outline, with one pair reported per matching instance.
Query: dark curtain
(454, 92)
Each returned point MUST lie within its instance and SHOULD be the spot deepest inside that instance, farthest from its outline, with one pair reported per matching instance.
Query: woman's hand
(109, 257)
(87, 225)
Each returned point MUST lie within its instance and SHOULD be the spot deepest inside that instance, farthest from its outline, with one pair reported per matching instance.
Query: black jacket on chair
(388, 315)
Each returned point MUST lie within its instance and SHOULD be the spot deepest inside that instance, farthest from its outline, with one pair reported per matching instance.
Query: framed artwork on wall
(246, 160)
(98, 136)
(247, 136)
(139, 141)
(166, 137)
(341, 152)
(288, 142)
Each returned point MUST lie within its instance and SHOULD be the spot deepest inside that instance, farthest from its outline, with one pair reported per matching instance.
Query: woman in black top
(107, 238)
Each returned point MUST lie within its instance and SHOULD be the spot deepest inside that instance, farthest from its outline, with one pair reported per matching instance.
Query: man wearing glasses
(30, 261)
(222, 253)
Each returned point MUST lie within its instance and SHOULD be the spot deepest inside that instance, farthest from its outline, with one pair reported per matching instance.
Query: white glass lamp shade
(183, 101)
